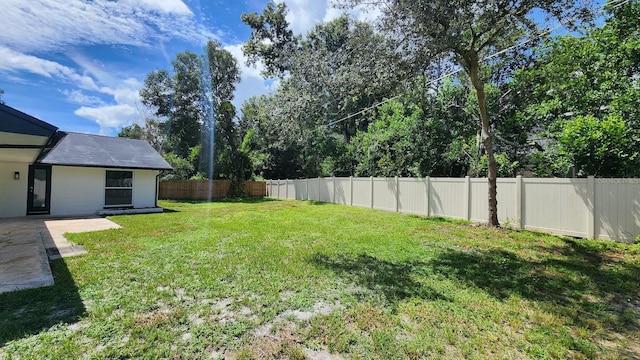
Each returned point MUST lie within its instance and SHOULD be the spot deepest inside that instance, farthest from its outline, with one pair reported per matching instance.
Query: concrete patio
(27, 244)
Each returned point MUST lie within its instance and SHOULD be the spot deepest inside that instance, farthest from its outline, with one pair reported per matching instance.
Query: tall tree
(224, 74)
(465, 32)
(271, 40)
(180, 99)
(187, 116)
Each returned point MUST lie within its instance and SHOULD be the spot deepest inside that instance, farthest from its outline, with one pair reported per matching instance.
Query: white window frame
(118, 188)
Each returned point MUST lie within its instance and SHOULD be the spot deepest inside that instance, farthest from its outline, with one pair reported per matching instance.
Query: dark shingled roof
(102, 151)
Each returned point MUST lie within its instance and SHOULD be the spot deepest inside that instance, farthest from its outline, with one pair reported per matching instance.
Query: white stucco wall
(13, 193)
(80, 191)
(76, 190)
(144, 188)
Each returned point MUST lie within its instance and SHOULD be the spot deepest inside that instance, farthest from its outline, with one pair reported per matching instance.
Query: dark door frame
(31, 210)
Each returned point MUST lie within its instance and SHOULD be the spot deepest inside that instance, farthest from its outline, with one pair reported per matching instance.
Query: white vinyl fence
(587, 208)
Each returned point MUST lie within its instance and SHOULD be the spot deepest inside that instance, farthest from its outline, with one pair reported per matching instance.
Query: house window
(118, 189)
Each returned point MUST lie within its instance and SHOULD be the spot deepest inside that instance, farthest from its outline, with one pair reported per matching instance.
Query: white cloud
(110, 116)
(41, 25)
(125, 112)
(305, 14)
(78, 97)
(126, 93)
(14, 61)
(165, 6)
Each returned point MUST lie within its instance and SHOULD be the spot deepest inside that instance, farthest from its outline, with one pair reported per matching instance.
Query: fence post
(427, 194)
(591, 206)
(318, 199)
(371, 185)
(467, 196)
(333, 197)
(519, 219)
(306, 182)
(351, 191)
(397, 194)
(278, 186)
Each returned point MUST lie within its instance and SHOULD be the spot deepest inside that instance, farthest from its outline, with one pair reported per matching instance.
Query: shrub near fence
(205, 189)
(588, 208)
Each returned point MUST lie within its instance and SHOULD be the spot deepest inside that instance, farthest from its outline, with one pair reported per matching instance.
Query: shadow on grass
(316, 202)
(28, 312)
(572, 280)
(395, 281)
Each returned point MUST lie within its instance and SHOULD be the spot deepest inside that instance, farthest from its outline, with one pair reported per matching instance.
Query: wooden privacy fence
(205, 189)
(588, 208)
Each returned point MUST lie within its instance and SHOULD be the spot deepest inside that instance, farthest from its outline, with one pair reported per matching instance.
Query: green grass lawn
(296, 280)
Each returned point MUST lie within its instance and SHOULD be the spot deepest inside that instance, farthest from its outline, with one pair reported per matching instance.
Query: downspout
(157, 186)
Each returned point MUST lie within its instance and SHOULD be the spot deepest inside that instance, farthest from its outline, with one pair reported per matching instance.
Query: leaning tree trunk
(478, 84)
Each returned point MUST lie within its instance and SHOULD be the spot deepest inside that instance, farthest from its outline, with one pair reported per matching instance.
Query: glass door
(39, 195)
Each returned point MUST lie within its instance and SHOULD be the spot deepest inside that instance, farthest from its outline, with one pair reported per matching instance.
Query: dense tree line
(363, 99)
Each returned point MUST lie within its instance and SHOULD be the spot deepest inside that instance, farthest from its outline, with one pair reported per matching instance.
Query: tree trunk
(487, 141)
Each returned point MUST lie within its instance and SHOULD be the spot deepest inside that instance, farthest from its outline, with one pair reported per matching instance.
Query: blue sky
(78, 64)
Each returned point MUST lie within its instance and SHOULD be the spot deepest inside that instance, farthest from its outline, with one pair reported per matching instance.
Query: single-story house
(47, 171)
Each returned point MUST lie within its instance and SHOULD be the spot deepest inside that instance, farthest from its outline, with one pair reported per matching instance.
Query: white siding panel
(479, 200)
(281, 189)
(555, 205)
(617, 214)
(384, 190)
(507, 213)
(13, 193)
(412, 196)
(291, 189)
(270, 188)
(343, 191)
(326, 190)
(362, 192)
(447, 197)
(299, 189)
(314, 189)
